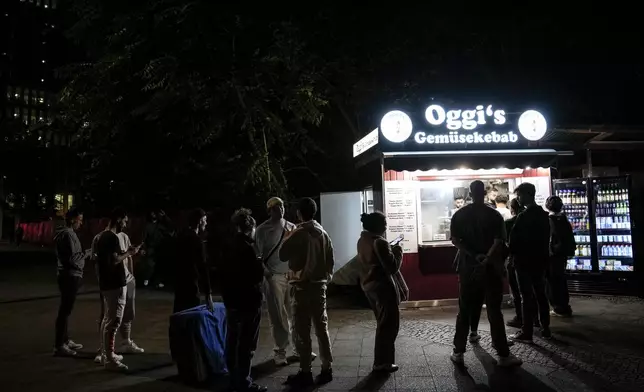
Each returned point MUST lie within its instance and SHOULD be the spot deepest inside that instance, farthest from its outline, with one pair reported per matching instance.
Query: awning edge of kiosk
(480, 159)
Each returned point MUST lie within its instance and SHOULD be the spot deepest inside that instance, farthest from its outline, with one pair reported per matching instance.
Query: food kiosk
(417, 167)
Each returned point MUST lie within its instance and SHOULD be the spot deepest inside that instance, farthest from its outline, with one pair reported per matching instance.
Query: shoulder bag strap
(276, 245)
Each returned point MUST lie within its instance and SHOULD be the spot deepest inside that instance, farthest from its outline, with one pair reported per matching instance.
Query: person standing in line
(491, 193)
(152, 238)
(517, 320)
(71, 262)
(167, 249)
(191, 273)
(241, 278)
(268, 239)
(529, 247)
(501, 203)
(478, 232)
(562, 246)
(128, 346)
(99, 358)
(309, 252)
(112, 274)
(379, 263)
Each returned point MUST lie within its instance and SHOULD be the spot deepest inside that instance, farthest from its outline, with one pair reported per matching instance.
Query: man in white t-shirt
(501, 202)
(127, 346)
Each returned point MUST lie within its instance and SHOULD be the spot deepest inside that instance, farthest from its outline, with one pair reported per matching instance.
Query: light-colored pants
(278, 301)
(128, 312)
(309, 307)
(118, 313)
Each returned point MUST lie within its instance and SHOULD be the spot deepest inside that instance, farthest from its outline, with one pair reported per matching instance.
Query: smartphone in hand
(397, 241)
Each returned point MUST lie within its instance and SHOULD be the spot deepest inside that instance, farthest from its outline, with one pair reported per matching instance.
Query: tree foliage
(186, 101)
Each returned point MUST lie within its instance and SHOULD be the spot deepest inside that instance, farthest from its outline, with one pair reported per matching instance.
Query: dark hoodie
(69, 252)
(309, 253)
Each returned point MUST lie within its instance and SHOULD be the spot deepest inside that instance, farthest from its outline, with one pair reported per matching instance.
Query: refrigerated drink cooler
(599, 210)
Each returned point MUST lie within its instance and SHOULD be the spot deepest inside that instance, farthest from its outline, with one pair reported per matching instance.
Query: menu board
(401, 212)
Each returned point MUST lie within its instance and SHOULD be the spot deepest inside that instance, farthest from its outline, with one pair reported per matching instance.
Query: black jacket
(562, 240)
(530, 238)
(241, 275)
(191, 273)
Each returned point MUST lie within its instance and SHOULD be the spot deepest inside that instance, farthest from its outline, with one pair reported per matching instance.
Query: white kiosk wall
(340, 216)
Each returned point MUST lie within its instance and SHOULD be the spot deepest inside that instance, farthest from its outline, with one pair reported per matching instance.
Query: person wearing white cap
(268, 240)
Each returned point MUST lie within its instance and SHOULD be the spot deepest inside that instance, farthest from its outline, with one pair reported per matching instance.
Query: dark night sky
(583, 68)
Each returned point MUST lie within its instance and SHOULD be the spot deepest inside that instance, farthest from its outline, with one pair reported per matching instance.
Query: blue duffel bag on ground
(198, 342)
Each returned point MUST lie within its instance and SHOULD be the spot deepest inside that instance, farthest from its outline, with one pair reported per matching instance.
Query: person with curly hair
(241, 279)
(191, 270)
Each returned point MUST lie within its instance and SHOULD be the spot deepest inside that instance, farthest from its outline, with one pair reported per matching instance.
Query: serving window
(440, 193)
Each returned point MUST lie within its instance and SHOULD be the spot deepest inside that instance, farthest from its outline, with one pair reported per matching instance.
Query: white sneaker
(114, 365)
(458, 358)
(509, 361)
(146, 282)
(391, 368)
(74, 346)
(474, 337)
(130, 348)
(280, 360)
(100, 359)
(296, 356)
(64, 351)
(160, 286)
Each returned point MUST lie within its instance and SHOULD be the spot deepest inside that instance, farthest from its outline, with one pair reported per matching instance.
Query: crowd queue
(288, 266)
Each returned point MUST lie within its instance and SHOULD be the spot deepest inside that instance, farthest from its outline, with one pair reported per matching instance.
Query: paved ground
(600, 349)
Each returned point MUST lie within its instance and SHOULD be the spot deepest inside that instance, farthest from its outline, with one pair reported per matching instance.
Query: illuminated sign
(474, 125)
(532, 125)
(396, 126)
(365, 143)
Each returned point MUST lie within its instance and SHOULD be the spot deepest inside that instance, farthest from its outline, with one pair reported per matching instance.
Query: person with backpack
(562, 246)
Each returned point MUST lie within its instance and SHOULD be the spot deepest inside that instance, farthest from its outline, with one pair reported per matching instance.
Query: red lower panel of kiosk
(429, 274)
(427, 286)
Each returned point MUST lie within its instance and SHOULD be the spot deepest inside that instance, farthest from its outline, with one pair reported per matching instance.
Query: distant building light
(46, 6)
(42, 80)
(43, 61)
(16, 95)
(40, 118)
(15, 114)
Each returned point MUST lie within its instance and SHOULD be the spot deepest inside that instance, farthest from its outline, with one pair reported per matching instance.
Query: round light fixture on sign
(532, 125)
(396, 126)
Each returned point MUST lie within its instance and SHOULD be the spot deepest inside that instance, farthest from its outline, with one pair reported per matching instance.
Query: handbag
(397, 280)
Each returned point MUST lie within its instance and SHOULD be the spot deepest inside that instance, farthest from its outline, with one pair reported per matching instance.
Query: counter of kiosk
(425, 162)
